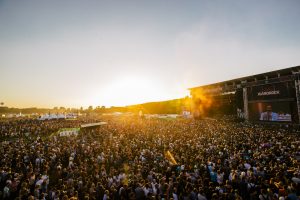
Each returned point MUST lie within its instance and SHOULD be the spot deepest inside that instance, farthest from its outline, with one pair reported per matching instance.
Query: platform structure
(268, 97)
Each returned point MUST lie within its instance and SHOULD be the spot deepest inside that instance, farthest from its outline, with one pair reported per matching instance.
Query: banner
(271, 91)
(68, 132)
(92, 124)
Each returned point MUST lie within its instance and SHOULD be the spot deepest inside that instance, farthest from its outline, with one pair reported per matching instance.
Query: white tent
(52, 116)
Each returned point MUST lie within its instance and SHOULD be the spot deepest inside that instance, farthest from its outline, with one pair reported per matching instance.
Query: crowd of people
(19, 128)
(125, 159)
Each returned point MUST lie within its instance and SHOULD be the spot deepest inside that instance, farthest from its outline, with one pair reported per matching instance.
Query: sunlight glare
(131, 90)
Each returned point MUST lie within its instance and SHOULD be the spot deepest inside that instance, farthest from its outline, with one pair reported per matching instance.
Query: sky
(76, 53)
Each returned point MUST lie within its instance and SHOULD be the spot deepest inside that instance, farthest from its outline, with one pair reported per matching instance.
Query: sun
(131, 90)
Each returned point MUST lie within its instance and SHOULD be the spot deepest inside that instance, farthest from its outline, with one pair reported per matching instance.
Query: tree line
(161, 107)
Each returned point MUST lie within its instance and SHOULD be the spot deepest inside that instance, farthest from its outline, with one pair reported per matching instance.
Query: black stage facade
(268, 97)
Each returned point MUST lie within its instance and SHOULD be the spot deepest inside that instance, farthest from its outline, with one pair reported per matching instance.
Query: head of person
(269, 108)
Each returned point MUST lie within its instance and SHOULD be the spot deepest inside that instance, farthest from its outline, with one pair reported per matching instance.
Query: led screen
(272, 111)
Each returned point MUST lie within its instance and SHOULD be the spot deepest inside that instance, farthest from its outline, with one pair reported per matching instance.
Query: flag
(170, 158)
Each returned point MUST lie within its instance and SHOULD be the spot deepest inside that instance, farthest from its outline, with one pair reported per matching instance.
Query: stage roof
(268, 76)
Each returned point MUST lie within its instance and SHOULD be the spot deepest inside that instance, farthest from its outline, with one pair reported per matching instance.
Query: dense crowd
(125, 159)
(14, 127)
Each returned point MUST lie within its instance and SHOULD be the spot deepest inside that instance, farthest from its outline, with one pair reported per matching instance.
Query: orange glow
(201, 102)
(131, 90)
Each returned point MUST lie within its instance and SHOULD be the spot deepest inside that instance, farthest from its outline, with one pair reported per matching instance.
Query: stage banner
(271, 91)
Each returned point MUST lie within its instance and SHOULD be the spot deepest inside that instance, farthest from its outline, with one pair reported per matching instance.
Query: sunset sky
(80, 53)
